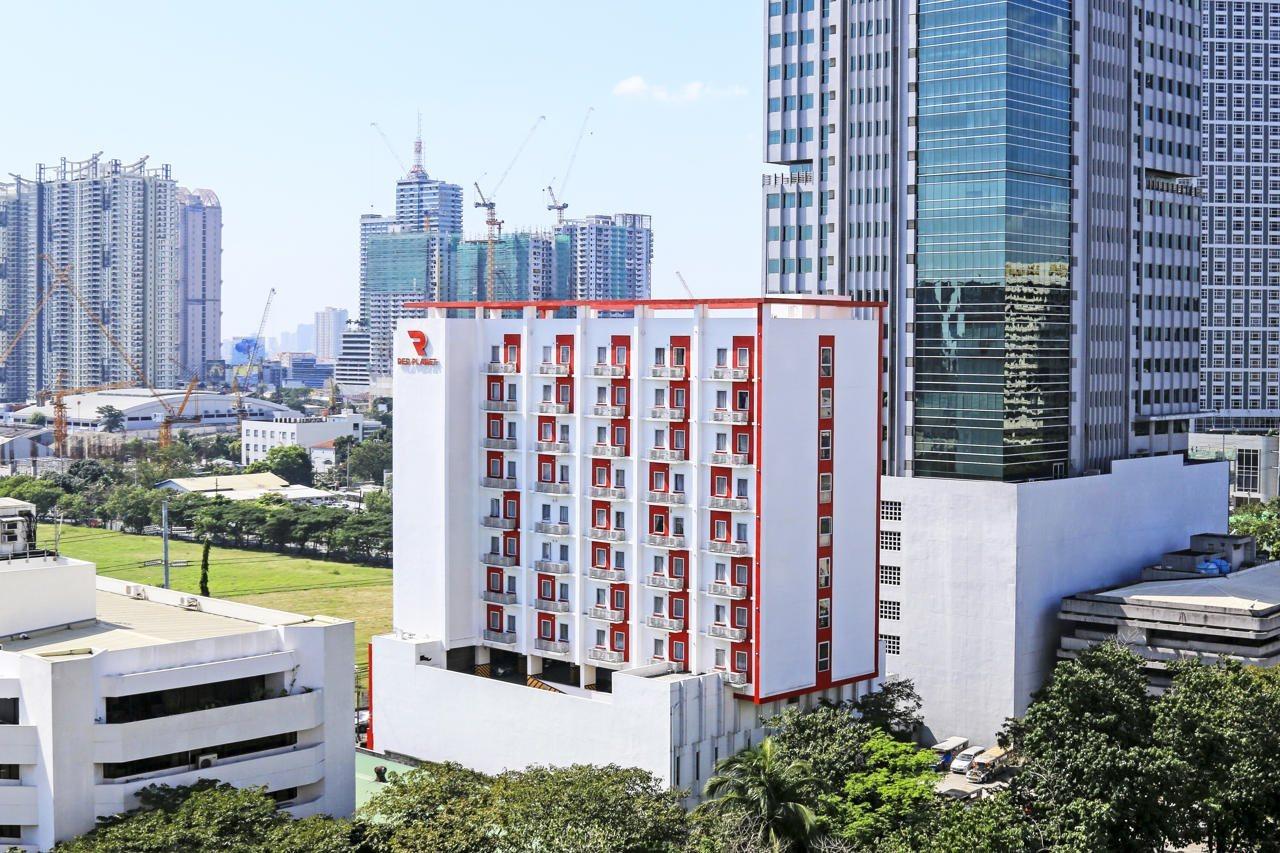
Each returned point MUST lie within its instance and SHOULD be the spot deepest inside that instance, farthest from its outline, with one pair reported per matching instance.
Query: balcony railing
(607, 534)
(664, 582)
(551, 567)
(615, 493)
(498, 523)
(663, 541)
(605, 614)
(727, 632)
(605, 655)
(612, 370)
(664, 371)
(498, 405)
(498, 597)
(551, 488)
(721, 457)
(734, 504)
(551, 368)
(548, 605)
(551, 528)
(736, 679)
(727, 590)
(555, 647)
(736, 549)
(824, 539)
(729, 416)
(505, 483)
(552, 446)
(492, 559)
(666, 497)
(669, 454)
(611, 575)
(609, 450)
(824, 496)
(500, 367)
(604, 410)
(664, 623)
(499, 444)
(666, 413)
(506, 637)
(548, 408)
(733, 374)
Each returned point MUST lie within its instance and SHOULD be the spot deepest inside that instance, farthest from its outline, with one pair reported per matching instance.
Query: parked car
(962, 762)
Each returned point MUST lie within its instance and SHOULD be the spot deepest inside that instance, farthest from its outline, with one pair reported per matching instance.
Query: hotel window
(620, 395)
(678, 398)
(740, 532)
(740, 617)
(722, 530)
(722, 486)
(824, 573)
(602, 517)
(677, 651)
(1248, 466)
(891, 575)
(891, 510)
(677, 356)
(546, 629)
(824, 526)
(744, 442)
(546, 354)
(824, 444)
(892, 644)
(824, 656)
(495, 429)
(620, 520)
(601, 558)
(599, 638)
(743, 401)
(722, 357)
(619, 600)
(891, 540)
(744, 357)
(826, 357)
(563, 392)
(722, 399)
(659, 481)
(495, 620)
(495, 353)
(659, 648)
(619, 641)
(620, 560)
(620, 355)
(677, 567)
(602, 476)
(544, 472)
(544, 589)
(891, 610)
(564, 355)
(619, 436)
(659, 525)
(511, 391)
(659, 565)
(740, 574)
(740, 661)
(602, 355)
(659, 356)
(564, 632)
(512, 353)
(824, 613)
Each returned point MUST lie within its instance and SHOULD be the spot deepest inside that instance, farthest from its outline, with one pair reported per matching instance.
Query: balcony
(824, 497)
(507, 638)
(498, 523)
(664, 582)
(498, 597)
(609, 370)
(726, 632)
(732, 504)
(497, 560)
(602, 574)
(551, 488)
(498, 405)
(549, 605)
(666, 413)
(824, 540)
(613, 493)
(604, 410)
(499, 367)
(664, 371)
(615, 451)
(669, 454)
(550, 408)
(504, 483)
(605, 655)
(499, 444)
(722, 457)
(555, 647)
(551, 528)
(727, 590)
(664, 623)
(605, 614)
(551, 368)
(552, 446)
(666, 497)
(729, 416)
(551, 567)
(735, 549)
(659, 540)
(731, 374)
(607, 534)
(734, 679)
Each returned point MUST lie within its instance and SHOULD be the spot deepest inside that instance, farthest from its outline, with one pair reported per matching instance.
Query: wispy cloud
(636, 86)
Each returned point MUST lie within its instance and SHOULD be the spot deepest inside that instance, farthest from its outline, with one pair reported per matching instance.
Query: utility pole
(164, 536)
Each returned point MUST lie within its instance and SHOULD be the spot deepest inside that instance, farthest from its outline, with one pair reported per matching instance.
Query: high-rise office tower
(1019, 196)
(1240, 307)
(329, 326)
(112, 228)
(200, 279)
(611, 256)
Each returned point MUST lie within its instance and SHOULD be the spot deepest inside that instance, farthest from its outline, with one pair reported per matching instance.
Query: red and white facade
(655, 511)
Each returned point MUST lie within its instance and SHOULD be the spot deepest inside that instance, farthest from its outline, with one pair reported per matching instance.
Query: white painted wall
(26, 603)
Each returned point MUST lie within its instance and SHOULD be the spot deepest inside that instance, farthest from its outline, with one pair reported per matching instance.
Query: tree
(993, 824)
(369, 460)
(894, 708)
(133, 506)
(279, 526)
(892, 792)
(204, 569)
(362, 535)
(768, 789)
(39, 492)
(1225, 723)
(74, 506)
(111, 418)
(827, 737)
(291, 462)
(378, 502)
(1261, 521)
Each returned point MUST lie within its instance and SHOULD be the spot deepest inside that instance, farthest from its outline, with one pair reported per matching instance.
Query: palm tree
(767, 789)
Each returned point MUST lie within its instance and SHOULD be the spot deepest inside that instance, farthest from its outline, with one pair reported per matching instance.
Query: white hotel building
(107, 687)
(628, 538)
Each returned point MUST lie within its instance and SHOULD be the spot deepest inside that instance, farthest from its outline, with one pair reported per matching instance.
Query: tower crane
(387, 141)
(558, 204)
(253, 355)
(493, 225)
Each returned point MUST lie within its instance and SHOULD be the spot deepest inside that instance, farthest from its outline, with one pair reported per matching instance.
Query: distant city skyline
(281, 132)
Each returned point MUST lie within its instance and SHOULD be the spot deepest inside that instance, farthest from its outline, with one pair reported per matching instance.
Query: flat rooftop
(1252, 591)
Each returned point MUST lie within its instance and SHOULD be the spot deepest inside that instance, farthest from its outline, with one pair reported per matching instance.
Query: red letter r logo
(419, 339)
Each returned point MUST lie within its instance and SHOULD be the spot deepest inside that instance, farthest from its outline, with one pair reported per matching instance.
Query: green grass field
(297, 584)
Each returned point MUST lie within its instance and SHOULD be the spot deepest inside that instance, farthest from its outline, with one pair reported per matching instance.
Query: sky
(269, 104)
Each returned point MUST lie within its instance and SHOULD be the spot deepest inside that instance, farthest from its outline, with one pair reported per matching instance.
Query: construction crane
(59, 395)
(493, 225)
(558, 204)
(387, 140)
(176, 416)
(684, 284)
(253, 356)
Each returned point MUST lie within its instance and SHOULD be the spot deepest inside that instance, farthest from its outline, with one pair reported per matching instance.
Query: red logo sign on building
(418, 338)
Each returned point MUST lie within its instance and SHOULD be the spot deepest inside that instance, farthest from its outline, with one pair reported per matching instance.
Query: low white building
(317, 435)
(1254, 461)
(107, 687)
(247, 487)
(143, 410)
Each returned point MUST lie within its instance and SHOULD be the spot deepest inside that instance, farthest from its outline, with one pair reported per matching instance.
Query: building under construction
(89, 279)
